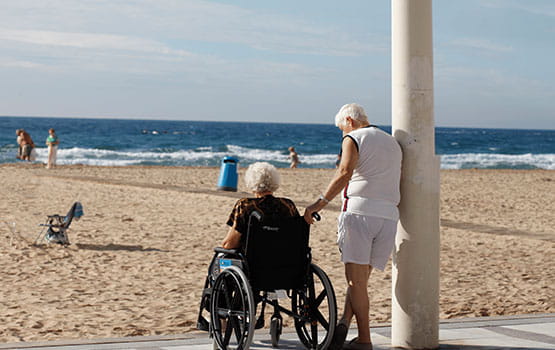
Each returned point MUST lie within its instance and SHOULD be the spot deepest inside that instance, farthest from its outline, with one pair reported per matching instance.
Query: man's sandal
(353, 345)
(339, 336)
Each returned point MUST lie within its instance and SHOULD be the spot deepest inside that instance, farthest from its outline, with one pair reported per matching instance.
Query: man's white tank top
(374, 186)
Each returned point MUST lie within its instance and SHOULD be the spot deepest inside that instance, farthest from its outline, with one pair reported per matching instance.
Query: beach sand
(139, 256)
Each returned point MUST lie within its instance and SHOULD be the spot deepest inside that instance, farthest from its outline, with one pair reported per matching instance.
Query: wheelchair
(275, 264)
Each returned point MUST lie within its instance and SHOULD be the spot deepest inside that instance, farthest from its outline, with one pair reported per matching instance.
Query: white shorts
(365, 240)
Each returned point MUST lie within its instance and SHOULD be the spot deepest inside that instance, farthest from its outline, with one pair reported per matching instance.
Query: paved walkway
(493, 333)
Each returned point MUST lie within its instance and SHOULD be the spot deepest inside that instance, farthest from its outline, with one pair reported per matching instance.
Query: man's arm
(349, 159)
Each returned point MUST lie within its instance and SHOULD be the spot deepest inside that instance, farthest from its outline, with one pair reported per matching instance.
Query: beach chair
(54, 230)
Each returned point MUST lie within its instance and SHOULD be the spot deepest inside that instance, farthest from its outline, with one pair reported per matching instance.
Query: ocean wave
(498, 161)
(207, 156)
(202, 156)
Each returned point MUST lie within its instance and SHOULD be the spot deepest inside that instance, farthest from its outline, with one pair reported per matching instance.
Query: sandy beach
(138, 258)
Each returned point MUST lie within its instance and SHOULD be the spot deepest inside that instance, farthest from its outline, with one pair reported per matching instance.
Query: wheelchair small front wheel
(232, 310)
(315, 310)
(276, 325)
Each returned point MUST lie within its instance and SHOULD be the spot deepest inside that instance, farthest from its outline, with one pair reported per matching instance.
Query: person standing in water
(294, 157)
(26, 144)
(52, 143)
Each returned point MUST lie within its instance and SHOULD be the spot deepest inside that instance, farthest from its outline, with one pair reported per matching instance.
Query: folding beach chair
(54, 230)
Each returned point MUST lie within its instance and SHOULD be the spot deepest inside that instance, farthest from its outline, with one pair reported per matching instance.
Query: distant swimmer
(294, 157)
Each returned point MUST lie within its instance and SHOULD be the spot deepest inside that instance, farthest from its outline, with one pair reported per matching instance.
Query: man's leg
(356, 301)
(26, 151)
(347, 309)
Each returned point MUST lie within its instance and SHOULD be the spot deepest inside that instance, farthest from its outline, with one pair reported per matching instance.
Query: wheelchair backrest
(277, 253)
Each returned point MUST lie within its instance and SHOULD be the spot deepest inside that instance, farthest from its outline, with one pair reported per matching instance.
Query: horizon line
(247, 121)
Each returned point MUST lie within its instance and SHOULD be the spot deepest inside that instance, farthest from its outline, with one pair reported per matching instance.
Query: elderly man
(26, 144)
(368, 175)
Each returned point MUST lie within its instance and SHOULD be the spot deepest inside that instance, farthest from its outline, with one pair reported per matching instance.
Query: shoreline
(36, 164)
(139, 256)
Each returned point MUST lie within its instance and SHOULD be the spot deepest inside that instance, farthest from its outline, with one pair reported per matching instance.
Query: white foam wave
(253, 155)
(492, 160)
(202, 155)
(207, 156)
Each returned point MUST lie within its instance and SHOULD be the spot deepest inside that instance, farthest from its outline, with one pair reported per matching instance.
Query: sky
(271, 60)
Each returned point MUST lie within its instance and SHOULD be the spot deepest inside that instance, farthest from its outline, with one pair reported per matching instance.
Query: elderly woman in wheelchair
(265, 257)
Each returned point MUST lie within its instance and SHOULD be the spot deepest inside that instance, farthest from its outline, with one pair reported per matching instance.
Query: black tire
(232, 310)
(316, 305)
(275, 330)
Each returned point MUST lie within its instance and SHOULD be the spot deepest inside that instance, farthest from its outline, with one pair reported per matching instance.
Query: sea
(121, 142)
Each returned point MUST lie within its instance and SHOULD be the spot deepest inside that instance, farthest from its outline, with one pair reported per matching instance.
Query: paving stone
(532, 332)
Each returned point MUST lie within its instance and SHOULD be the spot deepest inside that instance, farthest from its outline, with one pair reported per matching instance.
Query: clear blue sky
(270, 60)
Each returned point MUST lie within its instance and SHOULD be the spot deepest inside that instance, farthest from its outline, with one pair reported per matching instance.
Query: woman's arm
(232, 239)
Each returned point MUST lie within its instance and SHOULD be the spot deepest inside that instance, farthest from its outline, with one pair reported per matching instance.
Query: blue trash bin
(228, 174)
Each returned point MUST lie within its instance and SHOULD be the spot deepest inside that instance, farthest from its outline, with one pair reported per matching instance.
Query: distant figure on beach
(26, 144)
(262, 179)
(338, 160)
(18, 134)
(368, 175)
(294, 157)
(52, 142)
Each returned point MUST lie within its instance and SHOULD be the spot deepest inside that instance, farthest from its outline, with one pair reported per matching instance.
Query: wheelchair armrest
(226, 251)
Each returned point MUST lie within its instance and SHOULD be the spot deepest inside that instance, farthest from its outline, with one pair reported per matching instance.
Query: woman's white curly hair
(262, 177)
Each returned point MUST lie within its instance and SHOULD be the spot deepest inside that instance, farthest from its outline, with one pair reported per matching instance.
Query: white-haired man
(368, 175)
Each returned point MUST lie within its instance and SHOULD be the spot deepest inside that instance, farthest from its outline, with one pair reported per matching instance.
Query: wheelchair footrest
(205, 301)
(202, 324)
(259, 322)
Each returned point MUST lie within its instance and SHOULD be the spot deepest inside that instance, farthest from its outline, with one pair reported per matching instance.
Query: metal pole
(415, 290)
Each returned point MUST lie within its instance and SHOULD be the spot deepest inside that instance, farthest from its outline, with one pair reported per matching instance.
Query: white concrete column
(415, 299)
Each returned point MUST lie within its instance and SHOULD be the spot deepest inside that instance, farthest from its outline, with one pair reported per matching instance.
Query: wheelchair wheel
(232, 310)
(316, 306)
(275, 330)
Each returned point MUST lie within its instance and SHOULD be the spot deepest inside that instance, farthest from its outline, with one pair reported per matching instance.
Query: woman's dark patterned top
(267, 205)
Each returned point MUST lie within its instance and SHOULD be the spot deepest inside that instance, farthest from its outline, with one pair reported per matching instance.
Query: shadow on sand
(115, 247)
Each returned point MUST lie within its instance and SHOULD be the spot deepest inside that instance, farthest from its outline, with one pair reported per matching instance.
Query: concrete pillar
(415, 299)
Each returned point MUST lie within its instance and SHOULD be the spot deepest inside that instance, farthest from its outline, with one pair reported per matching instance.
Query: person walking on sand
(52, 142)
(26, 143)
(369, 175)
(294, 157)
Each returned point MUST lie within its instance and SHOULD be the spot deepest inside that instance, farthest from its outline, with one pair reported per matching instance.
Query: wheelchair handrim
(241, 321)
(308, 331)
